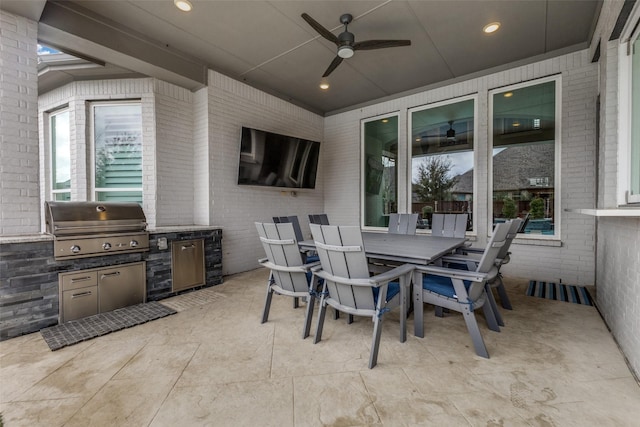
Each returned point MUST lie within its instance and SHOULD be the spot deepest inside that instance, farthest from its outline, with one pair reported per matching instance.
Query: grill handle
(185, 247)
(80, 279)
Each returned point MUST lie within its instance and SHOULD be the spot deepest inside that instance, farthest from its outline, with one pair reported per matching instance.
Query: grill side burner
(87, 229)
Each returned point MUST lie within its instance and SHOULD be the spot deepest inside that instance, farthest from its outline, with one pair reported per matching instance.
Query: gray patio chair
(449, 225)
(289, 276)
(403, 223)
(459, 290)
(321, 219)
(348, 286)
(472, 257)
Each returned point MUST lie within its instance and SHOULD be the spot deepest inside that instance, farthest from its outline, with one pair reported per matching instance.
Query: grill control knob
(106, 246)
(133, 243)
(75, 249)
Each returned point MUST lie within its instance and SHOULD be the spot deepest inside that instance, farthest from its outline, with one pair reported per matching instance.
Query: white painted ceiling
(268, 45)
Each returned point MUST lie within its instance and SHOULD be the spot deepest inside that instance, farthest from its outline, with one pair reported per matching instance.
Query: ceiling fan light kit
(345, 41)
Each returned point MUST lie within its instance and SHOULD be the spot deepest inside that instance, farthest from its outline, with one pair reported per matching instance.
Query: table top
(406, 248)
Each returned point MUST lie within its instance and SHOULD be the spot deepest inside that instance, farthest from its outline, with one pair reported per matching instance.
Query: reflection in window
(60, 155)
(117, 132)
(442, 160)
(524, 156)
(634, 187)
(380, 173)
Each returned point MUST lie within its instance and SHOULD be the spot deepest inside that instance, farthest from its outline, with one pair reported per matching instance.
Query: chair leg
(308, 315)
(267, 305)
(375, 345)
(492, 302)
(418, 306)
(490, 316)
(502, 292)
(474, 331)
(323, 310)
(296, 302)
(439, 311)
(349, 319)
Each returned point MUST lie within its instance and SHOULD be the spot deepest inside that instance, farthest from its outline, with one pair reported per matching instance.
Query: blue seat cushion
(393, 289)
(441, 285)
(313, 258)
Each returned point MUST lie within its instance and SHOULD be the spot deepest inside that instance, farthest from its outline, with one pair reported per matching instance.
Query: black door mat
(76, 331)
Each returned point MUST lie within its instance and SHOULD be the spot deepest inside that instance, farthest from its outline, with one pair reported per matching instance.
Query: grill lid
(81, 218)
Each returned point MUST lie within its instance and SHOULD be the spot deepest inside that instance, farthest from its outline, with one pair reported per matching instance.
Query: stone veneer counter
(29, 299)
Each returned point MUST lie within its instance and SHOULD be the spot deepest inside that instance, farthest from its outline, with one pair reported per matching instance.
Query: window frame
(363, 160)
(52, 191)
(625, 109)
(409, 175)
(92, 151)
(557, 206)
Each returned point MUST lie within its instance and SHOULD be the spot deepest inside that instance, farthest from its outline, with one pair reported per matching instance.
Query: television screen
(275, 160)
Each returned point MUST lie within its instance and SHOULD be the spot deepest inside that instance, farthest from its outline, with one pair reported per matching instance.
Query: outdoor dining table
(403, 248)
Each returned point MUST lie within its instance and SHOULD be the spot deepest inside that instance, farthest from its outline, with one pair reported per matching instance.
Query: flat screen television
(274, 160)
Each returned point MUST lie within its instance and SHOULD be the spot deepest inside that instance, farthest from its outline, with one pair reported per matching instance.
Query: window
(525, 155)
(380, 183)
(117, 143)
(442, 160)
(632, 57)
(60, 155)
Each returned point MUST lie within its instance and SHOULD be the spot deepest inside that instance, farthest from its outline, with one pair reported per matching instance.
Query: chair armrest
(374, 281)
(460, 259)
(395, 273)
(294, 269)
(473, 276)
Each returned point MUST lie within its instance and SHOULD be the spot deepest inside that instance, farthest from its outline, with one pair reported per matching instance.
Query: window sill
(621, 211)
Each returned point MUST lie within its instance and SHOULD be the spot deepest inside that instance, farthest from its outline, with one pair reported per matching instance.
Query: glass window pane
(524, 156)
(60, 151)
(442, 161)
(62, 197)
(118, 146)
(119, 196)
(635, 118)
(380, 173)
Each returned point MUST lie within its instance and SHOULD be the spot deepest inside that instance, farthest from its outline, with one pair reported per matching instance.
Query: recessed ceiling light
(418, 139)
(516, 124)
(183, 5)
(324, 86)
(508, 94)
(490, 28)
(385, 120)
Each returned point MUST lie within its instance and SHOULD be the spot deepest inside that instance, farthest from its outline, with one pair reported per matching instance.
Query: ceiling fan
(345, 41)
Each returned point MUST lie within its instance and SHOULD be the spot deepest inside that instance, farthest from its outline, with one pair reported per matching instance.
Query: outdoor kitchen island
(29, 283)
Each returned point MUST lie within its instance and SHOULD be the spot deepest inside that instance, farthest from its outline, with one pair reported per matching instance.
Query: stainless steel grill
(86, 229)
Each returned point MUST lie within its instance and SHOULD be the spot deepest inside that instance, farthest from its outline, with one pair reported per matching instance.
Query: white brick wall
(19, 158)
(618, 247)
(201, 163)
(233, 104)
(573, 259)
(174, 154)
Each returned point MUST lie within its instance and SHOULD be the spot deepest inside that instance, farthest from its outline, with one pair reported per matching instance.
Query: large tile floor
(214, 364)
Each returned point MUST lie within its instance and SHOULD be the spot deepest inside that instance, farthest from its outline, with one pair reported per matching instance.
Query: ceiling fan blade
(336, 61)
(379, 44)
(320, 29)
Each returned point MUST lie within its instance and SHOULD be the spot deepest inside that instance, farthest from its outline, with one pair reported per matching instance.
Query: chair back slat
(513, 232)
(497, 241)
(346, 263)
(293, 219)
(403, 223)
(321, 219)
(281, 247)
